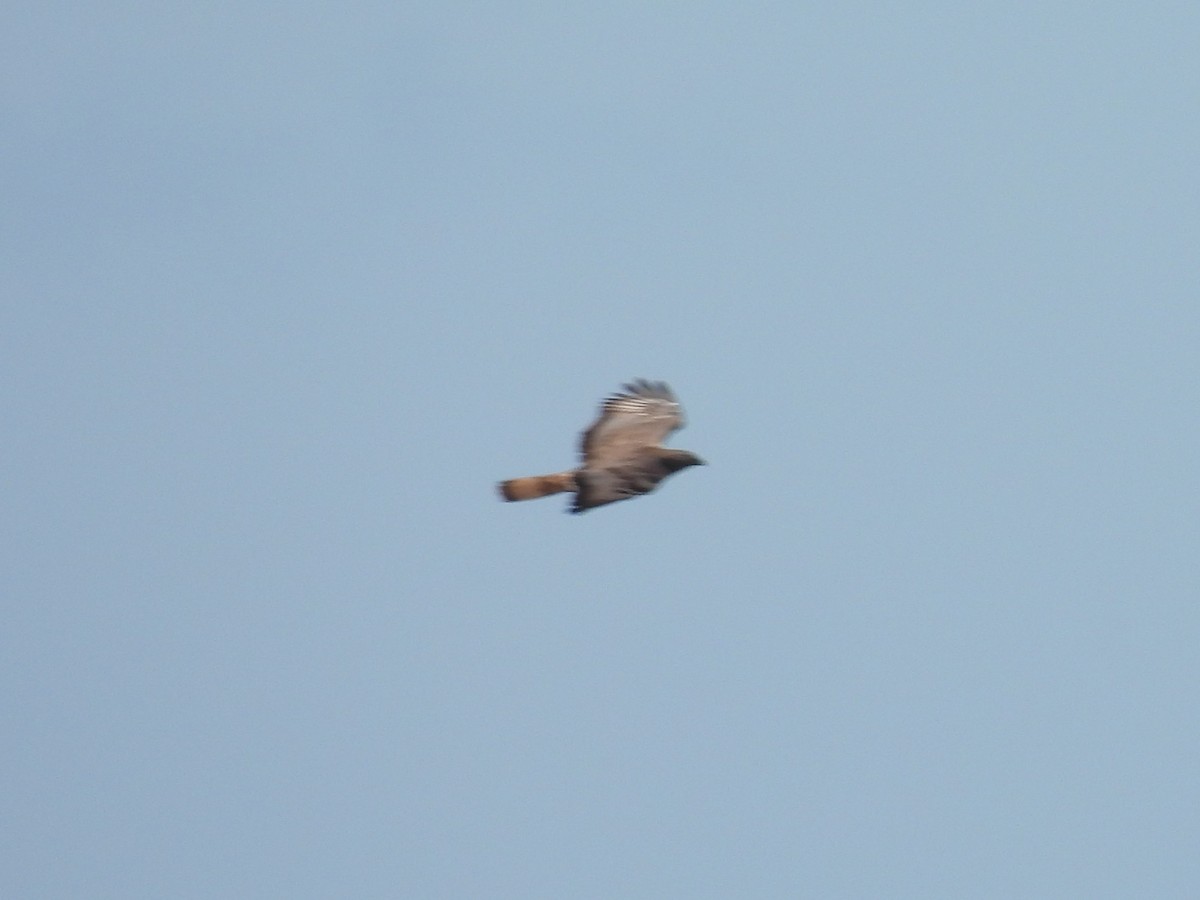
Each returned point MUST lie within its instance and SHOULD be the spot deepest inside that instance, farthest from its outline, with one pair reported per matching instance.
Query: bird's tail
(537, 486)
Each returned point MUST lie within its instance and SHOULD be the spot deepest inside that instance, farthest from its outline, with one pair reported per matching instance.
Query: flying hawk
(622, 451)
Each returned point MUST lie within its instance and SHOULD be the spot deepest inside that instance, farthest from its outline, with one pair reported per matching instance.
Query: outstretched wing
(641, 416)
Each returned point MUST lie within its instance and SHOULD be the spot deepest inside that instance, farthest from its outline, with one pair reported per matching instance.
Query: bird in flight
(622, 451)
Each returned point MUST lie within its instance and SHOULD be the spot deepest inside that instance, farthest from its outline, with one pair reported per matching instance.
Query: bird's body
(621, 450)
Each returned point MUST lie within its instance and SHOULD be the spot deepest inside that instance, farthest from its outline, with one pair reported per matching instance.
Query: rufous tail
(537, 486)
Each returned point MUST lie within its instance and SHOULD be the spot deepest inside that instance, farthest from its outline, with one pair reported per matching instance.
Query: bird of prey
(622, 451)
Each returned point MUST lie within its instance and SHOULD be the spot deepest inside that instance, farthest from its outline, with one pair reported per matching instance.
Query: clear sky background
(288, 287)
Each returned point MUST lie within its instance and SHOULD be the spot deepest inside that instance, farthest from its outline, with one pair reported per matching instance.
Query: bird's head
(681, 459)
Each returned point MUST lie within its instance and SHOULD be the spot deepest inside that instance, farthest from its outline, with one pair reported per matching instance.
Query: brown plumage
(621, 450)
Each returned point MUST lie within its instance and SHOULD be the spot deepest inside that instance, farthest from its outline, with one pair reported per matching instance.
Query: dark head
(674, 460)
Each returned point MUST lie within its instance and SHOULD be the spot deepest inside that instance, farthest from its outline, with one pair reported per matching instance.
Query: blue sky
(290, 287)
